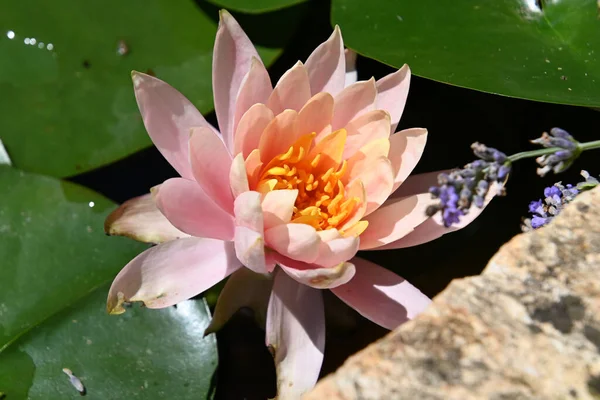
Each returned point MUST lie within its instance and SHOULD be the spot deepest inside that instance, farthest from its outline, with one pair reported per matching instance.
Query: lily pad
(546, 50)
(255, 6)
(67, 103)
(56, 265)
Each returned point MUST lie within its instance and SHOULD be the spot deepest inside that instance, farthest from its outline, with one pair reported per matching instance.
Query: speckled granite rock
(527, 328)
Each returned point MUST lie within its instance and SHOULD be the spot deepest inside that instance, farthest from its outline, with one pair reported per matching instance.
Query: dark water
(455, 118)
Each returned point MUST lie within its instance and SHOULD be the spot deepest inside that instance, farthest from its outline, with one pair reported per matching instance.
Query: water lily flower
(297, 179)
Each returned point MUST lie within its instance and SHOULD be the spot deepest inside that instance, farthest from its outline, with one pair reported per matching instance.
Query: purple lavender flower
(561, 159)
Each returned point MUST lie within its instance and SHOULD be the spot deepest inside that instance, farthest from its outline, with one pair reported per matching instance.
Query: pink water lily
(299, 177)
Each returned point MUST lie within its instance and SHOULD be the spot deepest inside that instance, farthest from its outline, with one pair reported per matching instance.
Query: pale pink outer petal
(381, 296)
(327, 65)
(392, 91)
(296, 334)
(189, 208)
(278, 207)
(355, 100)
(238, 179)
(406, 149)
(292, 91)
(172, 272)
(251, 127)
(232, 57)
(255, 89)
(168, 117)
(249, 231)
(211, 164)
(244, 288)
(434, 228)
(297, 241)
(368, 127)
(378, 180)
(418, 183)
(316, 276)
(316, 115)
(139, 219)
(336, 251)
(394, 220)
(351, 73)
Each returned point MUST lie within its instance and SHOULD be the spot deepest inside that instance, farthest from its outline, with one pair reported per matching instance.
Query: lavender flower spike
(562, 158)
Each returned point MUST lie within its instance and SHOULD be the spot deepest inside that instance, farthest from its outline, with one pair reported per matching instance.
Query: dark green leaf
(255, 6)
(53, 250)
(150, 354)
(546, 52)
(67, 101)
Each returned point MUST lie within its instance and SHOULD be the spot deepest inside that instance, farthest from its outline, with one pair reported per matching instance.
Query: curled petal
(316, 276)
(394, 220)
(232, 57)
(189, 208)
(292, 91)
(355, 100)
(172, 272)
(296, 241)
(249, 236)
(211, 163)
(255, 89)
(296, 334)
(244, 288)
(168, 117)
(381, 296)
(139, 219)
(326, 65)
(406, 149)
(278, 207)
(392, 91)
(337, 251)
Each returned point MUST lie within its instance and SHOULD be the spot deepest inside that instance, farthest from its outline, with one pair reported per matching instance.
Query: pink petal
(296, 333)
(139, 219)
(237, 176)
(249, 239)
(211, 163)
(296, 241)
(278, 207)
(356, 188)
(253, 168)
(365, 156)
(316, 115)
(316, 276)
(381, 296)
(434, 227)
(326, 65)
(189, 208)
(255, 88)
(336, 251)
(244, 288)
(168, 117)
(392, 91)
(418, 183)
(232, 58)
(251, 127)
(351, 74)
(406, 149)
(278, 136)
(378, 179)
(292, 91)
(172, 272)
(394, 220)
(352, 102)
(371, 126)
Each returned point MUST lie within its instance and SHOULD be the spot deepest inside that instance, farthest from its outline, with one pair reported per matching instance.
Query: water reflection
(10, 34)
(30, 41)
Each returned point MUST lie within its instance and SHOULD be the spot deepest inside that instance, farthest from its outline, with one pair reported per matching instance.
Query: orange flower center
(317, 172)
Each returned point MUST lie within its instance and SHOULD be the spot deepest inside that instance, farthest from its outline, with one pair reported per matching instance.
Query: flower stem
(536, 153)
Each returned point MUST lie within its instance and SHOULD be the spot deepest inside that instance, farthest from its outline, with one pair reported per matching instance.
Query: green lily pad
(67, 103)
(545, 50)
(255, 6)
(54, 275)
(149, 354)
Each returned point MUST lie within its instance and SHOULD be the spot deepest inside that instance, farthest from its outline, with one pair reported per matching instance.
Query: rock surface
(527, 328)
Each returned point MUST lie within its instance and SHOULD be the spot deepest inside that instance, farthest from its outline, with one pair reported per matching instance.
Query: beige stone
(527, 328)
